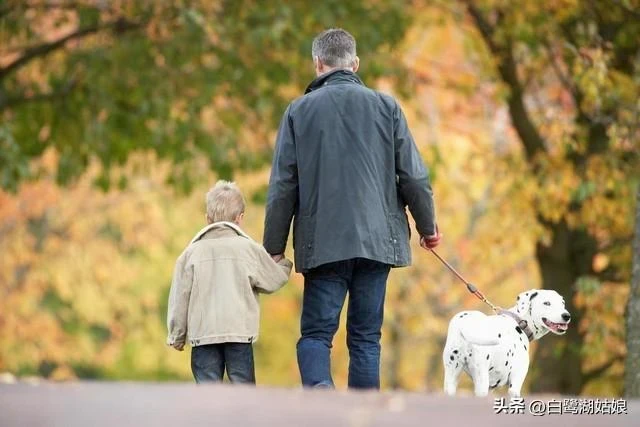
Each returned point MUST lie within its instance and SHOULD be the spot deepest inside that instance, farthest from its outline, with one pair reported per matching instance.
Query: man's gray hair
(224, 202)
(335, 48)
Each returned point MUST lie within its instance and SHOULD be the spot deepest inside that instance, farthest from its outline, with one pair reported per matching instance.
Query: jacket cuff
(273, 248)
(172, 339)
(285, 262)
(426, 231)
(286, 265)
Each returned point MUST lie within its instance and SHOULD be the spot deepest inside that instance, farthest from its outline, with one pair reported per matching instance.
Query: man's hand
(178, 346)
(278, 257)
(431, 242)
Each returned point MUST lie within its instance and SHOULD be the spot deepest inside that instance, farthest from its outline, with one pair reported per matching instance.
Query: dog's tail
(472, 330)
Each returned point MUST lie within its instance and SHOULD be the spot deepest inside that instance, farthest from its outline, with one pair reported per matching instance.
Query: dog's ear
(523, 301)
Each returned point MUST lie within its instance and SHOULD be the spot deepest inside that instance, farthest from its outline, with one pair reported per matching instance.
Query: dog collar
(522, 324)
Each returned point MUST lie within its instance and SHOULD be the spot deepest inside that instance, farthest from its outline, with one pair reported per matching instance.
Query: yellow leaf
(600, 262)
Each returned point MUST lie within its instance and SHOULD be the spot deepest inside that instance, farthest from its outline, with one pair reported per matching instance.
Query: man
(345, 166)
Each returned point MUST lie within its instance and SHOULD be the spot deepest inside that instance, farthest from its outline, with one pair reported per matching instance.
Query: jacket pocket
(400, 234)
(303, 240)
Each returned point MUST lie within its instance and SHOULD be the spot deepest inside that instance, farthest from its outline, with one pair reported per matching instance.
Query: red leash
(471, 287)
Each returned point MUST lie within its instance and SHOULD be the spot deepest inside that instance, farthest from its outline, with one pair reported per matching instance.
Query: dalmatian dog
(494, 350)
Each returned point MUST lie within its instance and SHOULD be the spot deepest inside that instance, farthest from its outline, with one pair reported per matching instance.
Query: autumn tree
(190, 79)
(73, 296)
(84, 86)
(570, 76)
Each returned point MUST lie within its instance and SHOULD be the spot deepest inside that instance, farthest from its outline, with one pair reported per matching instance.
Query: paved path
(150, 404)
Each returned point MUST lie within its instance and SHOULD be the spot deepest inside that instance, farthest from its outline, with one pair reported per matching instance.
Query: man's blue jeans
(325, 289)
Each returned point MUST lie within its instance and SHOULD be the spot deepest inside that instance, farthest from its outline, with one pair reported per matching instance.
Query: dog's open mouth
(556, 328)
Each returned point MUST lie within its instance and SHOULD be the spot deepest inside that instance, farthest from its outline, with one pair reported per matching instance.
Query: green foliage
(183, 79)
(13, 161)
(588, 285)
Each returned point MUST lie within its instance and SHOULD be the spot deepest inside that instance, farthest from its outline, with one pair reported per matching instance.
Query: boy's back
(213, 297)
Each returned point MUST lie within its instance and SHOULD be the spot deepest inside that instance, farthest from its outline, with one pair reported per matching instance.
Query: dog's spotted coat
(494, 350)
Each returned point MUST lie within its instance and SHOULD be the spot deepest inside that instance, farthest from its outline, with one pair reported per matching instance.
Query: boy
(213, 302)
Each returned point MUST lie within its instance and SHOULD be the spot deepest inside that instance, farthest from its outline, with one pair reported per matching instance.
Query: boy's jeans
(325, 289)
(208, 362)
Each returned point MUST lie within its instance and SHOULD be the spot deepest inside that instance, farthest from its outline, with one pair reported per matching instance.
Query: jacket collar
(333, 77)
(219, 225)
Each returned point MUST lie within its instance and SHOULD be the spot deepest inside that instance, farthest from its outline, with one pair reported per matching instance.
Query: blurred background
(117, 116)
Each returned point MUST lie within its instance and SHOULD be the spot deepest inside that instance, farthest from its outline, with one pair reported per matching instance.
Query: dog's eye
(546, 303)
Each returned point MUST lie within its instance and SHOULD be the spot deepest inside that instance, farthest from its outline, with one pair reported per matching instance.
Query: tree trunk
(632, 365)
(558, 359)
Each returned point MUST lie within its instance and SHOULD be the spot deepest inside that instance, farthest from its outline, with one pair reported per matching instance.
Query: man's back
(344, 142)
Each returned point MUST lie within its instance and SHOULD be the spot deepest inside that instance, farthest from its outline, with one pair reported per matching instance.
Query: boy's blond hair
(224, 202)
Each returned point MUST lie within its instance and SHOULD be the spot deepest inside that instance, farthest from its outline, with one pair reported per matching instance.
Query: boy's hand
(277, 258)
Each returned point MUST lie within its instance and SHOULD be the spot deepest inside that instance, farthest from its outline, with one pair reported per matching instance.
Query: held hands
(431, 242)
(277, 258)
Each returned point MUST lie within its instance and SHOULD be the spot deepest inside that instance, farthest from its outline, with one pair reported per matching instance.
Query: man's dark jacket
(345, 166)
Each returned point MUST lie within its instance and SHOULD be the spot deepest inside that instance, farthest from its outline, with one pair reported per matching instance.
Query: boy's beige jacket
(214, 292)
